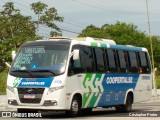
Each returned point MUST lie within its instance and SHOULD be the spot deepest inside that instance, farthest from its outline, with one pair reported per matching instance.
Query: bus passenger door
(74, 76)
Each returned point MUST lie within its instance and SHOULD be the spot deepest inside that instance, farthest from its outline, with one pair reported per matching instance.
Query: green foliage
(47, 17)
(158, 81)
(92, 31)
(15, 29)
(3, 78)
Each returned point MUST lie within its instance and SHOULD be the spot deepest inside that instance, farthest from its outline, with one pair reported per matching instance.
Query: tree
(6, 14)
(46, 17)
(14, 30)
(91, 31)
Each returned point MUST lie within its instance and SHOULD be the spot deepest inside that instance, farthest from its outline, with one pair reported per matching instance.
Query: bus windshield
(40, 61)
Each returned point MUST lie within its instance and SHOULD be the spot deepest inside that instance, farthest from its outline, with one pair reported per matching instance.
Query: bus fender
(129, 90)
(77, 92)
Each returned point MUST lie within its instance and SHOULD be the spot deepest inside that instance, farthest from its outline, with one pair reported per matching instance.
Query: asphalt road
(150, 110)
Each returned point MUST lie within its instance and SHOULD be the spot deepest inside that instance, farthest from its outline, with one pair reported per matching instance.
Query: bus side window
(111, 61)
(133, 64)
(144, 62)
(87, 60)
(148, 62)
(122, 61)
(99, 59)
(74, 65)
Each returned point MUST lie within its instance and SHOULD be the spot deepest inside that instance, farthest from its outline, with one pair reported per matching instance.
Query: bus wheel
(75, 108)
(128, 106)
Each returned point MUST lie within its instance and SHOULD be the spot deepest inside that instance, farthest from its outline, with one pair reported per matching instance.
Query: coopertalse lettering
(33, 83)
(119, 80)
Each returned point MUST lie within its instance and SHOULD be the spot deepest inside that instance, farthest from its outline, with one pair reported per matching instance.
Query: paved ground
(150, 109)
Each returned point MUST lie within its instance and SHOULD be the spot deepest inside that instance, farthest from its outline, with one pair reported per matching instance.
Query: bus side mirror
(13, 54)
(75, 54)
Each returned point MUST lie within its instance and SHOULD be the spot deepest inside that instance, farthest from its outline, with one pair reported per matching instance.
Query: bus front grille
(30, 90)
(30, 95)
(35, 100)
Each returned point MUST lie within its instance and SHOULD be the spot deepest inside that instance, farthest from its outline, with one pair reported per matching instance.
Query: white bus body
(96, 74)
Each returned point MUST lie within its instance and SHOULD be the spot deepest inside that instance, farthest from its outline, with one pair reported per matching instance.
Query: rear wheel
(127, 107)
(75, 108)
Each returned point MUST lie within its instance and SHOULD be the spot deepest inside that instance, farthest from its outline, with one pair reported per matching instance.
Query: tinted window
(99, 56)
(144, 63)
(111, 60)
(74, 65)
(87, 59)
(148, 62)
(122, 61)
(133, 68)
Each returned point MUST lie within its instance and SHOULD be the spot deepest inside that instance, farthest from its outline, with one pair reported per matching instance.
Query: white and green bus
(78, 75)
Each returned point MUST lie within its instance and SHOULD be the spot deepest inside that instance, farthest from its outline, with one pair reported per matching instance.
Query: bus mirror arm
(7, 64)
(75, 54)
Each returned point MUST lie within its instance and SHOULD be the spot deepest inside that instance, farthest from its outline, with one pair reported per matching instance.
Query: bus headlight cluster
(54, 89)
(10, 88)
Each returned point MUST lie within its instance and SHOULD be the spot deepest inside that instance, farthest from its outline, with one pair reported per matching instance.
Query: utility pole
(151, 45)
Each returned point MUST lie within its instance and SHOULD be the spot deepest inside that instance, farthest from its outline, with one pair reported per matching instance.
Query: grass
(3, 81)
(158, 81)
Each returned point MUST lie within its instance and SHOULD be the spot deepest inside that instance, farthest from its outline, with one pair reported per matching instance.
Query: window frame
(131, 69)
(108, 60)
(103, 60)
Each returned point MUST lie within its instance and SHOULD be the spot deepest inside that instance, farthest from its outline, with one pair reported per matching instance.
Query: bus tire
(127, 107)
(75, 108)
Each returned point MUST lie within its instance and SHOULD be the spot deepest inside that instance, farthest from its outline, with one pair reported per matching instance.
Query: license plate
(29, 96)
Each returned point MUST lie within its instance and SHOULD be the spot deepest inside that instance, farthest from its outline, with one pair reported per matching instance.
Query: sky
(80, 13)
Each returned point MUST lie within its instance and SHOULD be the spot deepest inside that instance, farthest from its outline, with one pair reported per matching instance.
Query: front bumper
(52, 101)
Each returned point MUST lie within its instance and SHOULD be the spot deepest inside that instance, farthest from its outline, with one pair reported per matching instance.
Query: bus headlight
(54, 89)
(10, 88)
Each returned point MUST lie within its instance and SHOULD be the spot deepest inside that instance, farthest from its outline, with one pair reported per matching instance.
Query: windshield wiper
(40, 70)
(22, 71)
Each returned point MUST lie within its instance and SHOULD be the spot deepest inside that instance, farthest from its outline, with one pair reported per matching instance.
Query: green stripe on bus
(86, 96)
(94, 44)
(87, 77)
(103, 45)
(93, 100)
(97, 77)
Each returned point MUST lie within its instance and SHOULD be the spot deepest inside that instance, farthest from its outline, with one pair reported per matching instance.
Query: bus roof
(95, 42)
(109, 44)
(100, 40)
